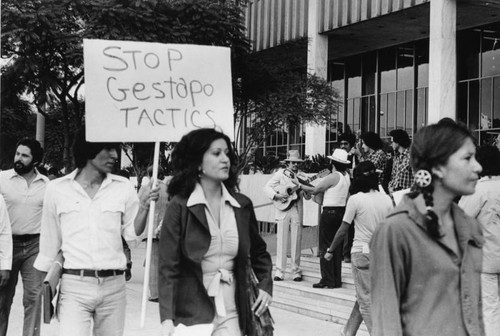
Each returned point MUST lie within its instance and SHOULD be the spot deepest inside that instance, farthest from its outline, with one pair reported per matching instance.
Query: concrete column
(317, 62)
(40, 129)
(442, 60)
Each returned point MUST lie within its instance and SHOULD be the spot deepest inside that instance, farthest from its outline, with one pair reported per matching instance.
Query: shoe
(153, 300)
(277, 278)
(321, 285)
(297, 278)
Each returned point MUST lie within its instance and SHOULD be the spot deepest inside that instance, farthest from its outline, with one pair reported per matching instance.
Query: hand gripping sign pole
(149, 242)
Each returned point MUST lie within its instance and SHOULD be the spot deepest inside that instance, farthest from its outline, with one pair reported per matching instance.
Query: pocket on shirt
(68, 210)
(112, 210)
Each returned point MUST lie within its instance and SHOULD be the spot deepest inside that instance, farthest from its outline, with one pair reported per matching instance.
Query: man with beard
(23, 189)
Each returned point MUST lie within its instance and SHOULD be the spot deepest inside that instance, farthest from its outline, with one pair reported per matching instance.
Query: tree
(276, 92)
(44, 39)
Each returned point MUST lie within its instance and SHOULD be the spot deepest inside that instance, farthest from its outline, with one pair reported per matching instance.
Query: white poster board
(149, 92)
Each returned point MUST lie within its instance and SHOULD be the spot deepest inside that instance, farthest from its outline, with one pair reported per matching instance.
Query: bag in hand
(50, 284)
(257, 325)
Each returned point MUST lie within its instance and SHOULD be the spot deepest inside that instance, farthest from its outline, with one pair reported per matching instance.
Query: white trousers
(291, 223)
(490, 284)
(87, 299)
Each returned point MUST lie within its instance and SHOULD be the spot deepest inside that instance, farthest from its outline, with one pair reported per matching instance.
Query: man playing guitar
(289, 218)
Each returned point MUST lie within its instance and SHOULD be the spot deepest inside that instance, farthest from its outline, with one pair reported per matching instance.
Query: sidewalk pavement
(287, 323)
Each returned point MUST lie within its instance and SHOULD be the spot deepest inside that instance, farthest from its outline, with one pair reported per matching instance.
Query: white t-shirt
(367, 210)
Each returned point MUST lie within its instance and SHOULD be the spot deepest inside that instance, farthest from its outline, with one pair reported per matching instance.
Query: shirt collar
(465, 230)
(107, 180)
(38, 176)
(198, 197)
(489, 178)
(404, 154)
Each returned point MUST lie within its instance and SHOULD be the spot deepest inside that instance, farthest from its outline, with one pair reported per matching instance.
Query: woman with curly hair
(426, 255)
(208, 234)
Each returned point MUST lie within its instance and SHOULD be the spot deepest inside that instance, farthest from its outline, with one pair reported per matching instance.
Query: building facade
(395, 63)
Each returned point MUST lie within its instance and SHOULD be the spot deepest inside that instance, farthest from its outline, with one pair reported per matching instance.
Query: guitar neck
(312, 178)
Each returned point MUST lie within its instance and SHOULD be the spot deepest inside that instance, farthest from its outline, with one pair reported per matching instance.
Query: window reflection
(402, 98)
(478, 95)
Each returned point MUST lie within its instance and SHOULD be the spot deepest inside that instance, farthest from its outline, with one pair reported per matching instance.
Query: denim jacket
(419, 285)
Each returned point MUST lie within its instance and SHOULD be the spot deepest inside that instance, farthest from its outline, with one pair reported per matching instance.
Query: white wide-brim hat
(339, 155)
(293, 156)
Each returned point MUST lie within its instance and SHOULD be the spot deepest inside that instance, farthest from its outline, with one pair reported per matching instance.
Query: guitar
(291, 188)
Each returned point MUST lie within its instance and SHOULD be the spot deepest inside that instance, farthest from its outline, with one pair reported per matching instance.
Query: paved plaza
(287, 323)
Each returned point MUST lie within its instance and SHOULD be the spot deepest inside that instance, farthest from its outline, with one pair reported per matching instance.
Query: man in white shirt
(5, 244)
(84, 216)
(23, 188)
(289, 219)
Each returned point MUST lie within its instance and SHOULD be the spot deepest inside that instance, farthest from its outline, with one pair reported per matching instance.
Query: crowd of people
(425, 264)
(422, 264)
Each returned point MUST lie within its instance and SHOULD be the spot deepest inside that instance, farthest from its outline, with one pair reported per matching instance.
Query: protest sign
(149, 92)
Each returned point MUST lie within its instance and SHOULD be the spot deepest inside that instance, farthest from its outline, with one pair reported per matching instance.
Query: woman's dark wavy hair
(372, 140)
(187, 157)
(432, 146)
(365, 178)
(489, 158)
(84, 150)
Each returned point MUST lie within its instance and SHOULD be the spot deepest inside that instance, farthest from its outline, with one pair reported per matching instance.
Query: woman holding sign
(208, 235)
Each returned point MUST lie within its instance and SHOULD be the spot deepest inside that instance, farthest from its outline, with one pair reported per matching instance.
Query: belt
(154, 239)
(25, 237)
(93, 273)
(214, 290)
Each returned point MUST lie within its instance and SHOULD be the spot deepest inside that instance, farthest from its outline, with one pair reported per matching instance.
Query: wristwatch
(328, 251)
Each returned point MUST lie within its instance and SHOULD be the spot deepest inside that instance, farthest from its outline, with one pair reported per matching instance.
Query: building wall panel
(273, 22)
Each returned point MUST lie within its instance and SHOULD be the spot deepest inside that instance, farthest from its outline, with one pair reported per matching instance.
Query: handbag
(257, 325)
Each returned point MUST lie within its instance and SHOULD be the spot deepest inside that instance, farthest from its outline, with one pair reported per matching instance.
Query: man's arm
(329, 181)
(337, 240)
(271, 184)
(50, 232)
(5, 244)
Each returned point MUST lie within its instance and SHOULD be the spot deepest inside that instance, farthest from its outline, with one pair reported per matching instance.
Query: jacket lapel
(198, 211)
(242, 219)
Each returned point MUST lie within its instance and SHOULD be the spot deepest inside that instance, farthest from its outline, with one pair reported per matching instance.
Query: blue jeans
(23, 258)
(361, 274)
(84, 299)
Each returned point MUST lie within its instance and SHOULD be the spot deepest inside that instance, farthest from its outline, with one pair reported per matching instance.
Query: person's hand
(150, 194)
(4, 277)
(261, 303)
(357, 151)
(307, 195)
(167, 328)
(281, 197)
(328, 256)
